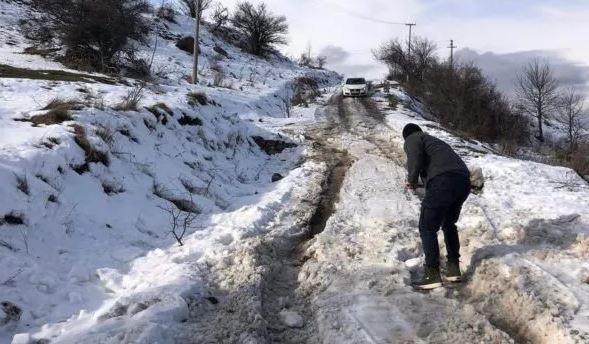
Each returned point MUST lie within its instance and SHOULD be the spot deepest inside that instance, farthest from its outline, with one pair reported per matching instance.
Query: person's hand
(410, 186)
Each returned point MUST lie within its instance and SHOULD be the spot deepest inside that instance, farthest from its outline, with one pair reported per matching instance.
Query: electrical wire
(359, 15)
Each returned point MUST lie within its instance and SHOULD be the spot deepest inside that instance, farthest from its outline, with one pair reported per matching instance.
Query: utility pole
(197, 4)
(452, 47)
(410, 25)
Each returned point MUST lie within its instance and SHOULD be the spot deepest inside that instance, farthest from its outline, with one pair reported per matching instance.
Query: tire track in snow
(367, 137)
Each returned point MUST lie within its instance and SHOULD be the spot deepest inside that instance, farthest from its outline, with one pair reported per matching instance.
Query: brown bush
(580, 160)
(166, 12)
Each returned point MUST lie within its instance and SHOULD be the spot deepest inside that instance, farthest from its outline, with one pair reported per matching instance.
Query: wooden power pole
(410, 25)
(452, 47)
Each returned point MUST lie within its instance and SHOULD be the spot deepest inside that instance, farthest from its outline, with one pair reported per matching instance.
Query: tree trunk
(196, 43)
(540, 131)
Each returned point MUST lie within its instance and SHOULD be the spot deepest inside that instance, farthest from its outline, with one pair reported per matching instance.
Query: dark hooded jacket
(429, 157)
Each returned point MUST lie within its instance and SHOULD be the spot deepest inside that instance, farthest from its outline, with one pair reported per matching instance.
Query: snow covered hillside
(89, 193)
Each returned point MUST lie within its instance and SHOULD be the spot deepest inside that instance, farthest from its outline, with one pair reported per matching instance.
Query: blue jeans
(441, 207)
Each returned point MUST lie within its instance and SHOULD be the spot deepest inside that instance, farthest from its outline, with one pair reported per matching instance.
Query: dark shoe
(431, 279)
(453, 273)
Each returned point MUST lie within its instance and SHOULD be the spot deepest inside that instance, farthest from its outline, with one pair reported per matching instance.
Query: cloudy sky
(347, 30)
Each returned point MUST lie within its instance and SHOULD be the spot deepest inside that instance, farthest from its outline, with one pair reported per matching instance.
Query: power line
(361, 16)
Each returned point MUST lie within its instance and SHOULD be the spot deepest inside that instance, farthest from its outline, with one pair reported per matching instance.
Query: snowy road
(348, 281)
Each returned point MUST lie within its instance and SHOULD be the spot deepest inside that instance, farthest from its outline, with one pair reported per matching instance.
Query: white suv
(355, 87)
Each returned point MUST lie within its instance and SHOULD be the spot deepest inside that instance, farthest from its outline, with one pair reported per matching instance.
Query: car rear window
(356, 81)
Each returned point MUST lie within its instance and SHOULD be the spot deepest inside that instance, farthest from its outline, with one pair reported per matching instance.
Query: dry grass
(22, 183)
(57, 103)
(58, 112)
(132, 99)
(55, 116)
(92, 155)
(106, 134)
(54, 75)
(44, 52)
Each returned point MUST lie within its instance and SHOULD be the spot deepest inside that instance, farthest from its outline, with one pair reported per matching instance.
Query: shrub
(393, 102)
(166, 12)
(93, 41)
(219, 75)
(580, 159)
(262, 29)
(222, 52)
(197, 98)
(186, 44)
(14, 219)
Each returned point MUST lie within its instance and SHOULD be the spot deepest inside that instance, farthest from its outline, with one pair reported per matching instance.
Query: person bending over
(447, 186)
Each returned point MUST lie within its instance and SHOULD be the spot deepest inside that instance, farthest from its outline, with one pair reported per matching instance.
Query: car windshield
(356, 81)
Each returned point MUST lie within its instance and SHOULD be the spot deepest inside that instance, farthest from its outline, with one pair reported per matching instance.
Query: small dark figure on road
(447, 186)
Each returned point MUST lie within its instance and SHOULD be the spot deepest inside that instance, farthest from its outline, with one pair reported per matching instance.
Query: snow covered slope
(85, 205)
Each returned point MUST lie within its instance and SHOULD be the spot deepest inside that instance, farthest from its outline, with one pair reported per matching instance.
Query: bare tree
(422, 56)
(394, 55)
(220, 17)
(190, 6)
(570, 114)
(262, 29)
(305, 60)
(403, 63)
(180, 221)
(321, 61)
(96, 33)
(199, 7)
(537, 91)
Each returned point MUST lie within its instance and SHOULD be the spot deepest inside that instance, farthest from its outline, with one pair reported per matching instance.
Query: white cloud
(497, 26)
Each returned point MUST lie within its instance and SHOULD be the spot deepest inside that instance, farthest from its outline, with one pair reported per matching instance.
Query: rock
(272, 147)
(186, 44)
(477, 179)
(11, 312)
(276, 177)
(291, 319)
